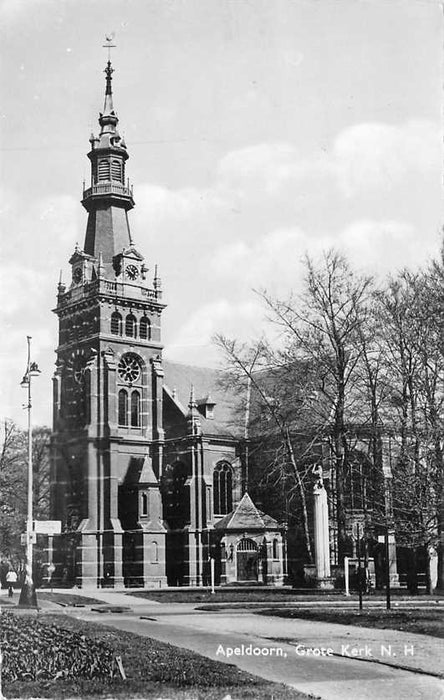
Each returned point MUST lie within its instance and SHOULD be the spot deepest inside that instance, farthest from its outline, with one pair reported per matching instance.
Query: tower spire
(108, 107)
(109, 197)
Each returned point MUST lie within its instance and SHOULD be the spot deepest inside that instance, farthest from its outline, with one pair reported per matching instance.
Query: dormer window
(205, 407)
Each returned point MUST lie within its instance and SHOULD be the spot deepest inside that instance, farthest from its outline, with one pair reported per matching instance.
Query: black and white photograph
(222, 350)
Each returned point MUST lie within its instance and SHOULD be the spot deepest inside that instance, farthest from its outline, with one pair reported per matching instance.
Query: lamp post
(28, 597)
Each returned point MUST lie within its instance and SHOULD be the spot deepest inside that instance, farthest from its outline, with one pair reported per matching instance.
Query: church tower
(108, 438)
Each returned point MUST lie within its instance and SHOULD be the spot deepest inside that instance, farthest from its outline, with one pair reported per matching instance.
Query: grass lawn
(419, 621)
(153, 669)
(69, 599)
(226, 595)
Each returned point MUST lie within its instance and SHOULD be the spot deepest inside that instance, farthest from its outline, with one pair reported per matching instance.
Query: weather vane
(109, 39)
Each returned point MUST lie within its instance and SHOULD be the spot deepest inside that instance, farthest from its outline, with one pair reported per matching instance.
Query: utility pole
(28, 597)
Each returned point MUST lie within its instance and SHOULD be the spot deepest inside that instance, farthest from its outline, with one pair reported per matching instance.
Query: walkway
(363, 664)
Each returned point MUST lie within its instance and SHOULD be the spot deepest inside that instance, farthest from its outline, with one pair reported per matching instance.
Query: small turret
(193, 419)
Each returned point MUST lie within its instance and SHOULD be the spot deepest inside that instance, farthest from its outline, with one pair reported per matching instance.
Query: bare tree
(256, 365)
(13, 486)
(324, 329)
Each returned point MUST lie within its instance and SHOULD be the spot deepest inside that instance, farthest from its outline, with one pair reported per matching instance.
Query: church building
(149, 465)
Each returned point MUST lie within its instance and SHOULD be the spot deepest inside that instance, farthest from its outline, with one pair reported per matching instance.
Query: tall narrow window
(130, 326)
(123, 407)
(116, 170)
(275, 549)
(154, 552)
(135, 409)
(103, 170)
(144, 500)
(145, 328)
(116, 323)
(223, 488)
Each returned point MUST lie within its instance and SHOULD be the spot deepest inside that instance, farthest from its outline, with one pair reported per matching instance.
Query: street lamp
(28, 597)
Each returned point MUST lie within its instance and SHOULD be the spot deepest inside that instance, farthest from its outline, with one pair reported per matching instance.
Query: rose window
(129, 369)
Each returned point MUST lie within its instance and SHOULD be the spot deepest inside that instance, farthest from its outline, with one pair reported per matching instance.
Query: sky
(258, 131)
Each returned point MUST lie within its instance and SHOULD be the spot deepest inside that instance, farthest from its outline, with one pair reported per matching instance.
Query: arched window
(144, 504)
(135, 409)
(103, 170)
(223, 488)
(130, 326)
(145, 328)
(275, 549)
(116, 170)
(116, 323)
(123, 407)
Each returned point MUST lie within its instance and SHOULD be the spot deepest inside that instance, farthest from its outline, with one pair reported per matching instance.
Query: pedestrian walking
(11, 580)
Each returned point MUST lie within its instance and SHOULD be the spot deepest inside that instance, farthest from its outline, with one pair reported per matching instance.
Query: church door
(247, 560)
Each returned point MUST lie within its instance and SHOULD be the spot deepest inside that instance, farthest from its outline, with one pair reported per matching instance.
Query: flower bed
(33, 650)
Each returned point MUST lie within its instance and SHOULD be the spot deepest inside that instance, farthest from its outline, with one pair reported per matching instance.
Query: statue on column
(321, 530)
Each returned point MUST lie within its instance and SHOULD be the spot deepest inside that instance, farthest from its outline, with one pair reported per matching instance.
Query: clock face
(132, 272)
(77, 275)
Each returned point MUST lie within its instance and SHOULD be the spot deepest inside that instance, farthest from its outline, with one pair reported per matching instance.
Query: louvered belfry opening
(116, 170)
(103, 170)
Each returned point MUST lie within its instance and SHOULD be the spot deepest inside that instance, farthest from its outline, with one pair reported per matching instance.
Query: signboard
(48, 527)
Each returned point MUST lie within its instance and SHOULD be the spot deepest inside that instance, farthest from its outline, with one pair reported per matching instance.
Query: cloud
(375, 245)
(160, 203)
(194, 338)
(273, 184)
(274, 260)
(271, 261)
(379, 156)
(14, 10)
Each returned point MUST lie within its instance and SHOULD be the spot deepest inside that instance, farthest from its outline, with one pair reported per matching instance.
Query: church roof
(247, 517)
(207, 382)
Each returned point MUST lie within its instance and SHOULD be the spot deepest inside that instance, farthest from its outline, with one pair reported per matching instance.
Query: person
(11, 580)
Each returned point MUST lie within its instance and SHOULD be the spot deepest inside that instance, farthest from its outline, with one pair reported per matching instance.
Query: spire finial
(109, 38)
(109, 70)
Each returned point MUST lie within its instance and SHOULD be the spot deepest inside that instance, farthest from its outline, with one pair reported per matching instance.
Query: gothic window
(116, 170)
(135, 409)
(144, 501)
(145, 328)
(129, 368)
(130, 326)
(223, 488)
(116, 323)
(103, 170)
(123, 407)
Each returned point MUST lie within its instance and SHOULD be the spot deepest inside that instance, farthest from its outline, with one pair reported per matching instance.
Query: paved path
(338, 677)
